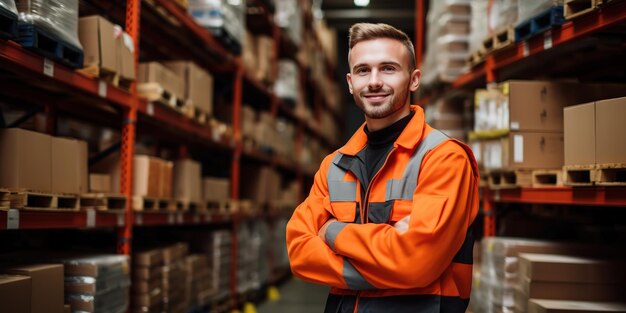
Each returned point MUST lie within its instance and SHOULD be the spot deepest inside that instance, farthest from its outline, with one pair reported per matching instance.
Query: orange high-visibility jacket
(370, 266)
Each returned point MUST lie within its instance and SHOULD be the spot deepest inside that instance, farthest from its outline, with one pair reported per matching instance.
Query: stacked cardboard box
(107, 48)
(453, 116)
(287, 82)
(97, 283)
(252, 256)
(175, 288)
(155, 80)
(188, 181)
(147, 276)
(198, 280)
(530, 115)
(262, 185)
(41, 285)
(218, 251)
(278, 252)
(36, 161)
(198, 85)
(560, 306)
(15, 293)
(258, 55)
(152, 177)
(328, 127)
(563, 277)
(215, 189)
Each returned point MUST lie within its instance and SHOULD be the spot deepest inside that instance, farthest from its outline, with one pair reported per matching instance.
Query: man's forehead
(380, 50)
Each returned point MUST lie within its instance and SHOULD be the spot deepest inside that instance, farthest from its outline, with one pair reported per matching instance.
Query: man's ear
(415, 80)
(349, 80)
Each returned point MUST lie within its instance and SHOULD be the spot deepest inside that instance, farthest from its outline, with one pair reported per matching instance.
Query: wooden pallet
(196, 114)
(48, 44)
(113, 78)
(507, 179)
(576, 8)
(143, 203)
(103, 201)
(547, 178)
(610, 174)
(5, 199)
(504, 39)
(579, 175)
(539, 23)
(156, 93)
(219, 207)
(189, 206)
(28, 199)
(475, 58)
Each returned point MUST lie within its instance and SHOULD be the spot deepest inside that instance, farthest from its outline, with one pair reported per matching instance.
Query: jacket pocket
(343, 211)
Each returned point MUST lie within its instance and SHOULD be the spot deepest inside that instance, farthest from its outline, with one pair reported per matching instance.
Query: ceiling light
(361, 3)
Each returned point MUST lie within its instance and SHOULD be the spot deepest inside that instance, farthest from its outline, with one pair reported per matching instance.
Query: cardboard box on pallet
(215, 189)
(564, 306)
(198, 84)
(146, 176)
(188, 181)
(15, 293)
(154, 72)
(46, 291)
(68, 165)
(524, 150)
(611, 131)
(98, 37)
(100, 183)
(167, 173)
(25, 161)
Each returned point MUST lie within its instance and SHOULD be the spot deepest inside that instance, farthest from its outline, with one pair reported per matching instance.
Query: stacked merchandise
(57, 19)
(247, 259)
(328, 127)
(503, 15)
(285, 139)
(312, 154)
(451, 115)
(258, 55)
(31, 288)
(447, 41)
(215, 191)
(262, 185)
(97, 284)
(289, 17)
(226, 19)
(478, 25)
(188, 183)
(530, 8)
(506, 281)
(288, 198)
(218, 250)
(175, 288)
(287, 82)
(198, 280)
(197, 85)
(8, 8)
(159, 83)
(148, 281)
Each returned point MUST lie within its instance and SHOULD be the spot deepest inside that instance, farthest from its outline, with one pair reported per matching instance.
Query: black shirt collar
(388, 134)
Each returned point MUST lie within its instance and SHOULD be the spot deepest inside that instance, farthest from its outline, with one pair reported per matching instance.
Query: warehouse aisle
(297, 296)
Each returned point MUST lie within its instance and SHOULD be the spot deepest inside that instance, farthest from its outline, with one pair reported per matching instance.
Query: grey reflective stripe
(353, 278)
(332, 231)
(404, 187)
(338, 189)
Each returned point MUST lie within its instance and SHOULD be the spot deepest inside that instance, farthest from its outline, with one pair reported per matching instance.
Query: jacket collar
(408, 139)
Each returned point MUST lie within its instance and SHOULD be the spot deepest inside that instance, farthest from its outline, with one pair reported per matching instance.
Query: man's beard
(392, 104)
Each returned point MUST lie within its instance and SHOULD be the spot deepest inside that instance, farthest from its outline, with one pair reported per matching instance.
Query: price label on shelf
(102, 89)
(525, 49)
(13, 219)
(170, 218)
(139, 219)
(91, 218)
(150, 109)
(120, 219)
(48, 67)
(547, 40)
(180, 218)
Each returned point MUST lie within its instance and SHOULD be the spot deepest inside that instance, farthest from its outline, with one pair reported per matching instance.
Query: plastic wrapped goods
(221, 14)
(8, 5)
(478, 24)
(289, 16)
(502, 15)
(59, 17)
(530, 8)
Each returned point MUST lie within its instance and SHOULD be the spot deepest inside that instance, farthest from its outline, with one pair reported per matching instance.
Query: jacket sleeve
(309, 256)
(445, 203)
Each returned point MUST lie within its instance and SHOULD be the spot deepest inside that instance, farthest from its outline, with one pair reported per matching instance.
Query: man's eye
(388, 69)
(362, 70)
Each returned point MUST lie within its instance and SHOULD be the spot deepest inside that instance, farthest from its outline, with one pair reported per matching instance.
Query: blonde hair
(369, 31)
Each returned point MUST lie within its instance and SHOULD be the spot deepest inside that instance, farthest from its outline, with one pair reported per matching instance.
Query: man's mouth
(376, 97)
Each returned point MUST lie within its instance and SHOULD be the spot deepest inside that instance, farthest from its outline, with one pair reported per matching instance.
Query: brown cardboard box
(15, 293)
(563, 306)
(564, 268)
(187, 180)
(198, 84)
(127, 57)
(46, 284)
(100, 183)
(580, 134)
(167, 169)
(611, 131)
(148, 258)
(154, 72)
(65, 170)
(83, 166)
(524, 150)
(538, 105)
(67, 308)
(98, 38)
(216, 189)
(25, 161)
(572, 291)
(146, 176)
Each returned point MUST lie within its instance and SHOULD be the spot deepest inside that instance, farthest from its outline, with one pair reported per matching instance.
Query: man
(387, 223)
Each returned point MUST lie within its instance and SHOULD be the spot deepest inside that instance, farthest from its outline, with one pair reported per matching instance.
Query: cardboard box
(580, 134)
(148, 258)
(46, 286)
(187, 181)
(15, 293)
(98, 38)
(562, 306)
(100, 183)
(83, 166)
(198, 84)
(611, 131)
(127, 57)
(154, 72)
(146, 176)
(572, 291)
(524, 150)
(216, 189)
(167, 174)
(67, 308)
(564, 268)
(66, 167)
(26, 160)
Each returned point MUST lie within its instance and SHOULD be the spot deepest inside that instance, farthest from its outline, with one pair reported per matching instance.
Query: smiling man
(387, 223)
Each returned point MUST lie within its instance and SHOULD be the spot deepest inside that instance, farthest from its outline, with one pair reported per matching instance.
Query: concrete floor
(297, 296)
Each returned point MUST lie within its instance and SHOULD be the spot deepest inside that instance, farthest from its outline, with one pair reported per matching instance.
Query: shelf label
(518, 148)
(102, 89)
(120, 219)
(139, 219)
(547, 40)
(91, 218)
(170, 218)
(525, 49)
(180, 218)
(48, 67)
(150, 109)
(13, 219)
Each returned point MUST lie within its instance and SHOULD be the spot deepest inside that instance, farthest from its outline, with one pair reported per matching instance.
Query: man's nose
(375, 82)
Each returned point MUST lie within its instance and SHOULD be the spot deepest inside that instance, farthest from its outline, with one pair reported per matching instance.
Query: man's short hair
(368, 31)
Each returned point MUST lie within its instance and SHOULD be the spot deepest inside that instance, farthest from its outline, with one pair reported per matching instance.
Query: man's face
(379, 77)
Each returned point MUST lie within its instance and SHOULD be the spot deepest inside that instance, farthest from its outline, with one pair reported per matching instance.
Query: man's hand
(322, 232)
(402, 225)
